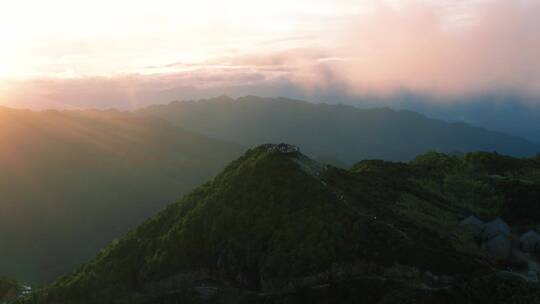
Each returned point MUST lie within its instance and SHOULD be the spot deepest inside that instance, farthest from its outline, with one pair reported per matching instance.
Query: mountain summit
(277, 227)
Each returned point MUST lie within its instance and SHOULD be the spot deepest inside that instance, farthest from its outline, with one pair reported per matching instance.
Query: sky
(71, 54)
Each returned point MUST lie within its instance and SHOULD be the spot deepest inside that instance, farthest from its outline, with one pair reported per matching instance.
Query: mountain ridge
(325, 130)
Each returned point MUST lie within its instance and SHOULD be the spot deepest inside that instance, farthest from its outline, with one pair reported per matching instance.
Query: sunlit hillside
(73, 181)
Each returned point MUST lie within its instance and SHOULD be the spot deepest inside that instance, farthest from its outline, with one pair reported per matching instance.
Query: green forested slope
(280, 228)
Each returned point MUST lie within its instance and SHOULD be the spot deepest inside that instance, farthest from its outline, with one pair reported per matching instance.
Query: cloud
(469, 48)
(128, 91)
(447, 48)
(437, 48)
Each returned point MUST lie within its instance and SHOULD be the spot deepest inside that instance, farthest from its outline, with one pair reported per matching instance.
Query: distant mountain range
(278, 227)
(337, 133)
(511, 112)
(72, 181)
(508, 112)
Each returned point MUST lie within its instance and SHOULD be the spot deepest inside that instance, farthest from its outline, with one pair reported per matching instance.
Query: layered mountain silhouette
(278, 227)
(103, 172)
(72, 181)
(344, 134)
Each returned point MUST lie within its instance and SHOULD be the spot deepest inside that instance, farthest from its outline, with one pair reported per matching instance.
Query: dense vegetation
(333, 132)
(280, 228)
(9, 290)
(72, 181)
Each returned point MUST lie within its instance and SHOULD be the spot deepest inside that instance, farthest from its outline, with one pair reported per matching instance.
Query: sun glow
(110, 48)
(64, 38)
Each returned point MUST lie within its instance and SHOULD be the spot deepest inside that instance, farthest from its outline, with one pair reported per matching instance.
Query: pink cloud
(465, 47)
(492, 45)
